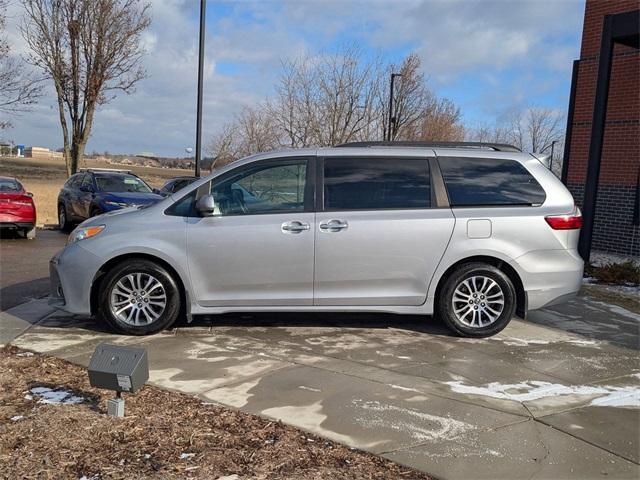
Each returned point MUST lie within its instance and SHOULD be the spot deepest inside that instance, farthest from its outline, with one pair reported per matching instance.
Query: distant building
(602, 148)
(42, 153)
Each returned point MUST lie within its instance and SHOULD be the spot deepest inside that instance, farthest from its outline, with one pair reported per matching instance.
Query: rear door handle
(334, 226)
(295, 227)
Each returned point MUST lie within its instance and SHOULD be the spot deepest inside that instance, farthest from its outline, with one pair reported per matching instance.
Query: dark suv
(94, 191)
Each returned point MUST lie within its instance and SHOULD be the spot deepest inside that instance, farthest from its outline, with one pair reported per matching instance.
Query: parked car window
(121, 183)
(376, 183)
(9, 185)
(489, 181)
(87, 181)
(263, 189)
(74, 180)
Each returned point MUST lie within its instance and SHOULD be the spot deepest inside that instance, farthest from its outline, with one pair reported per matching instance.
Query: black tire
(63, 218)
(146, 268)
(482, 326)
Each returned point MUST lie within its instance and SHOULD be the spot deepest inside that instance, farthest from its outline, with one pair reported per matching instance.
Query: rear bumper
(550, 277)
(6, 225)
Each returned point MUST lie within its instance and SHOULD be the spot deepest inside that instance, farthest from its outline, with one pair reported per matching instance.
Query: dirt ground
(44, 178)
(163, 435)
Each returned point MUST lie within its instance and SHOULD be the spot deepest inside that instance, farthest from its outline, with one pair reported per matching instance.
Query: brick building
(602, 154)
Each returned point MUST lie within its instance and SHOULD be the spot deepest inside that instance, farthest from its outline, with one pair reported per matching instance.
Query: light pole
(391, 117)
(553, 145)
(203, 14)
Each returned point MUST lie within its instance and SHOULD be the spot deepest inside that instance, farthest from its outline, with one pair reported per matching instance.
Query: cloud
(474, 51)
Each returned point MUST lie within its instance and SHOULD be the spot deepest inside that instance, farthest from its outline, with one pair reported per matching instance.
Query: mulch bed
(163, 435)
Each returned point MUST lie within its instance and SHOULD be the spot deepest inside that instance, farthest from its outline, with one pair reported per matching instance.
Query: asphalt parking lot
(557, 396)
(24, 273)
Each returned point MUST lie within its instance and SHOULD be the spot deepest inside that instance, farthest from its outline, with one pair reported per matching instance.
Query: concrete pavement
(557, 396)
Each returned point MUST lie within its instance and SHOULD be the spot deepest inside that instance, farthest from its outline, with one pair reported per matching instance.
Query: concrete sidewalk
(534, 402)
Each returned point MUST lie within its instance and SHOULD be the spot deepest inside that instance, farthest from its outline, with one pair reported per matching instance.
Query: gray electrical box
(123, 369)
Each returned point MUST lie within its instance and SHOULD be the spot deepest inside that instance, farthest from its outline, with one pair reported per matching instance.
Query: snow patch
(56, 396)
(419, 425)
(609, 396)
(17, 418)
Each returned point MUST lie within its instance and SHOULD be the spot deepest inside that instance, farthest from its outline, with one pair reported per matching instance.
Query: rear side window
(74, 181)
(376, 184)
(474, 182)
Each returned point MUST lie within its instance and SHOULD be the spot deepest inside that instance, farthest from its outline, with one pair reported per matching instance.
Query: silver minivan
(471, 233)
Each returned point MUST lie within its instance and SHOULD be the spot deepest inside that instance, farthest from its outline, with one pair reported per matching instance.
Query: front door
(257, 250)
(378, 239)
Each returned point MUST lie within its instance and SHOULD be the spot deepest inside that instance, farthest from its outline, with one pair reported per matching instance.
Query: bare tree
(335, 98)
(91, 49)
(18, 88)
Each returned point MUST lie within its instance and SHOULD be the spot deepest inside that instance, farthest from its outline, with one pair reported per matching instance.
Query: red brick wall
(621, 149)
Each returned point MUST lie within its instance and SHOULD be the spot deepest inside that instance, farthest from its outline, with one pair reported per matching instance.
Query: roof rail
(112, 170)
(498, 147)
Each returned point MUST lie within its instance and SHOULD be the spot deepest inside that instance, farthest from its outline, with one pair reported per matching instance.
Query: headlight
(82, 233)
(117, 204)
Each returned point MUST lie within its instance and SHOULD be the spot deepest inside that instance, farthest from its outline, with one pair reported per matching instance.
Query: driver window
(270, 188)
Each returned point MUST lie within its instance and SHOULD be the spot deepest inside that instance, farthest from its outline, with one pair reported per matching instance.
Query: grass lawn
(163, 435)
(44, 178)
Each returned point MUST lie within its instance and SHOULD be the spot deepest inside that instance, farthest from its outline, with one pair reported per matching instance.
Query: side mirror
(206, 206)
(29, 194)
(156, 191)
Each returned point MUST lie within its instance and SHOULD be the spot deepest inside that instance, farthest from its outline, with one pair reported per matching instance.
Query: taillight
(565, 222)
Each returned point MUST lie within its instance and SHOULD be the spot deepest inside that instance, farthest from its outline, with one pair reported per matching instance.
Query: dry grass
(44, 178)
(71, 441)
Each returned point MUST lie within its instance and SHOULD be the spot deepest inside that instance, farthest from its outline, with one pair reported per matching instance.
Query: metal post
(568, 136)
(553, 144)
(203, 14)
(597, 138)
(393, 77)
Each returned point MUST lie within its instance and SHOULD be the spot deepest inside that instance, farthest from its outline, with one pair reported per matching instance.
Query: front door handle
(295, 227)
(333, 226)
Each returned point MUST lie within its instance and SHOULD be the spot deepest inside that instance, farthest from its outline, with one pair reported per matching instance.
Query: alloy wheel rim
(478, 301)
(138, 299)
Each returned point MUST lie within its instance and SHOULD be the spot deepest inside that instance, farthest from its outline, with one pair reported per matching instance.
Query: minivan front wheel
(477, 300)
(139, 297)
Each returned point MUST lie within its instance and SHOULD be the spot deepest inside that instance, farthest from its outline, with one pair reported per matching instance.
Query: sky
(488, 56)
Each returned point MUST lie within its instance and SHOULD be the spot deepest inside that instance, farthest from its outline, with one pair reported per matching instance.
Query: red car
(17, 210)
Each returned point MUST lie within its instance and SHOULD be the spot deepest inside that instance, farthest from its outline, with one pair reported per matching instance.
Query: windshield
(9, 185)
(121, 183)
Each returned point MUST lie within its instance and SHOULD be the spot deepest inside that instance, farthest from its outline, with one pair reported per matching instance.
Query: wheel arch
(521, 295)
(111, 263)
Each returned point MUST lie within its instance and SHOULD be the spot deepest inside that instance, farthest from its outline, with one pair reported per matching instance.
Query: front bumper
(71, 274)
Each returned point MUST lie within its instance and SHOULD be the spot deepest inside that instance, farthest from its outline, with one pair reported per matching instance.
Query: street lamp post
(391, 117)
(203, 14)
(553, 145)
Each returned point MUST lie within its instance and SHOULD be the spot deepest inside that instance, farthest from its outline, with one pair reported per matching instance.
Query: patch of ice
(610, 396)
(185, 456)
(404, 389)
(311, 389)
(17, 418)
(28, 397)
(25, 354)
(56, 397)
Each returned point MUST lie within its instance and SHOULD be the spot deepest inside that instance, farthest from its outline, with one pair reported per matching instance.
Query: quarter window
(376, 184)
(489, 182)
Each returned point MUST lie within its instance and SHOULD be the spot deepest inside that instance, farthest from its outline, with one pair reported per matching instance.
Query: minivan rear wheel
(477, 300)
(139, 297)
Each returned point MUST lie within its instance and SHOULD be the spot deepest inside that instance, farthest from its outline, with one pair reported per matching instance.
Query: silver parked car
(473, 233)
